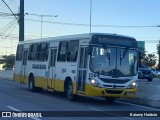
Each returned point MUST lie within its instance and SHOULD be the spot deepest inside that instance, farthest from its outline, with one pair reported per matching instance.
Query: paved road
(17, 97)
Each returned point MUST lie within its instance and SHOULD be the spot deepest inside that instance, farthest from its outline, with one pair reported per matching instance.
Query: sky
(116, 16)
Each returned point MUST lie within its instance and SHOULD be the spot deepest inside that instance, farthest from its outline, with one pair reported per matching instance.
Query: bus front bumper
(110, 92)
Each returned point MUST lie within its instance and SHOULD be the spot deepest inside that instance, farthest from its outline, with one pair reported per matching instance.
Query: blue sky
(104, 12)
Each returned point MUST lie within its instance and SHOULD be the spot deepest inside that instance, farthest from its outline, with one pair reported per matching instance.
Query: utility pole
(21, 21)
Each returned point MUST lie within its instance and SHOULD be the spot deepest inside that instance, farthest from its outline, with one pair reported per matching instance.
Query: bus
(92, 64)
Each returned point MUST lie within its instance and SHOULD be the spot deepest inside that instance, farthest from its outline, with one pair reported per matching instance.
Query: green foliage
(150, 60)
(142, 53)
(8, 61)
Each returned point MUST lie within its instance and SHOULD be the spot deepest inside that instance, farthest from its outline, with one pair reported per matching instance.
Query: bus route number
(93, 75)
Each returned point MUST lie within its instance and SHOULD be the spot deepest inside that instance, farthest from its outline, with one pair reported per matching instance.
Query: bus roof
(70, 37)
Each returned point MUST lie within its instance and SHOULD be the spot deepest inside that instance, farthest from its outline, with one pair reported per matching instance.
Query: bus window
(73, 50)
(19, 52)
(33, 52)
(43, 52)
(62, 52)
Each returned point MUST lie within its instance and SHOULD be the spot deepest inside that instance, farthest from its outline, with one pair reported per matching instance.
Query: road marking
(12, 108)
(138, 105)
(111, 113)
(95, 109)
(15, 109)
(35, 118)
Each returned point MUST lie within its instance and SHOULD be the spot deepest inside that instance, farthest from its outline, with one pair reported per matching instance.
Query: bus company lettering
(38, 66)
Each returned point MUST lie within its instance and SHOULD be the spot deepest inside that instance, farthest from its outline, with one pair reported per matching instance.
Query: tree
(158, 52)
(8, 61)
(150, 60)
(142, 55)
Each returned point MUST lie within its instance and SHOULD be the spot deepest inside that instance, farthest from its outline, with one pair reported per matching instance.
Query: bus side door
(82, 69)
(52, 65)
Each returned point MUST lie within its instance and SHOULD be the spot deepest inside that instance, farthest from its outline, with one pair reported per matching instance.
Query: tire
(32, 87)
(31, 84)
(110, 99)
(150, 79)
(69, 91)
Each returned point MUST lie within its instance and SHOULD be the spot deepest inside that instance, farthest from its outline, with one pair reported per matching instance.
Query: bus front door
(82, 69)
(24, 68)
(52, 62)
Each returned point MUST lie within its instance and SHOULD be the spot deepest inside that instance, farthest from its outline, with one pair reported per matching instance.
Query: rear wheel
(150, 79)
(110, 99)
(69, 91)
(31, 84)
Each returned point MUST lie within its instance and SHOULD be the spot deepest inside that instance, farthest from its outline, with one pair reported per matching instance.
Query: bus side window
(62, 51)
(19, 52)
(43, 52)
(73, 50)
(33, 52)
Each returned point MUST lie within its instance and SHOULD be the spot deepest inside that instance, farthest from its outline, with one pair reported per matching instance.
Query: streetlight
(90, 16)
(42, 19)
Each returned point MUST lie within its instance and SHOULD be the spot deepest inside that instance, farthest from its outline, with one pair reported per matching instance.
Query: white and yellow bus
(96, 64)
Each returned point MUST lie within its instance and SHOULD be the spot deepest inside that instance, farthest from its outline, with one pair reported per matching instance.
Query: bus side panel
(63, 71)
(40, 74)
(25, 78)
(59, 85)
(41, 82)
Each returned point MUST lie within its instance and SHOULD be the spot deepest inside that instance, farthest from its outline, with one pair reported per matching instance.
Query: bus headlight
(132, 85)
(95, 83)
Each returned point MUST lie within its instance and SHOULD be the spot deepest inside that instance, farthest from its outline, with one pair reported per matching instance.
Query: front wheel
(32, 87)
(150, 79)
(69, 91)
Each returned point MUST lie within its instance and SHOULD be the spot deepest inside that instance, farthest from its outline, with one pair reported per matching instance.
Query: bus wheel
(110, 99)
(69, 91)
(31, 84)
(150, 79)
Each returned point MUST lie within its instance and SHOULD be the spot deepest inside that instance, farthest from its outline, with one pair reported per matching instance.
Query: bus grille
(119, 81)
(113, 86)
(114, 91)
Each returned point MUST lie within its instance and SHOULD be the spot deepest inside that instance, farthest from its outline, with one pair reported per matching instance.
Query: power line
(10, 10)
(86, 25)
(3, 14)
(12, 30)
(7, 27)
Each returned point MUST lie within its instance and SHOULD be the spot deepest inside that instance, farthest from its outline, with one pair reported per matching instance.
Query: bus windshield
(113, 61)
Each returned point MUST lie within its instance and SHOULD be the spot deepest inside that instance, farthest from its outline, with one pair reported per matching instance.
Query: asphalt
(148, 93)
